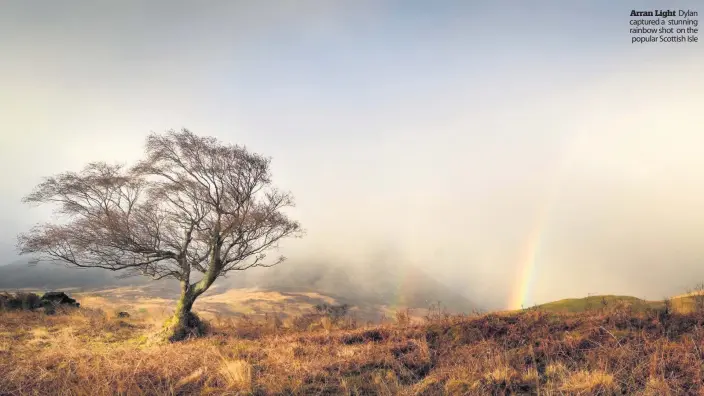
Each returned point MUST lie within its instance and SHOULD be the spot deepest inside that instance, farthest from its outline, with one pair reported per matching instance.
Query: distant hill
(380, 284)
(683, 303)
(595, 302)
(371, 288)
(23, 275)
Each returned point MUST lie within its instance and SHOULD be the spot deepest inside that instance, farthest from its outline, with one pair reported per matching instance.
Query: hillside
(285, 289)
(596, 303)
(88, 351)
(385, 283)
(683, 303)
(21, 274)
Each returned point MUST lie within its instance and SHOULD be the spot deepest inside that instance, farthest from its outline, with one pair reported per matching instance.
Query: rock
(59, 298)
(123, 315)
(19, 301)
(122, 323)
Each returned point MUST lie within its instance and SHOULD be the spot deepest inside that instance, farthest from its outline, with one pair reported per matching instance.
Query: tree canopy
(192, 205)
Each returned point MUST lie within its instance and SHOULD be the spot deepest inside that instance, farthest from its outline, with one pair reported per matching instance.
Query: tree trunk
(184, 324)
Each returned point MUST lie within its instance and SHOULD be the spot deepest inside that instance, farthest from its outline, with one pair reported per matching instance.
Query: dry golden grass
(214, 304)
(238, 374)
(90, 352)
(589, 383)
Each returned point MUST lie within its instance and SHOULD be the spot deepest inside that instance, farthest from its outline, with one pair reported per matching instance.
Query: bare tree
(193, 205)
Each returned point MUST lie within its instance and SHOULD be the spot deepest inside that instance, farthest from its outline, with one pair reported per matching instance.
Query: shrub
(333, 312)
(403, 317)
(20, 300)
(698, 297)
(305, 321)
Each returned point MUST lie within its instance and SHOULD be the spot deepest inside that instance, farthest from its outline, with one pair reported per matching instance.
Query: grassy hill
(88, 351)
(145, 302)
(683, 304)
(596, 303)
(604, 345)
(286, 289)
(376, 283)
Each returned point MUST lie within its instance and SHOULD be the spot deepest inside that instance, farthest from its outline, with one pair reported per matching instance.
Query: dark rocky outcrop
(59, 298)
(19, 300)
(31, 301)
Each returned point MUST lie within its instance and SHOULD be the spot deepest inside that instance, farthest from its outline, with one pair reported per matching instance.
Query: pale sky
(449, 132)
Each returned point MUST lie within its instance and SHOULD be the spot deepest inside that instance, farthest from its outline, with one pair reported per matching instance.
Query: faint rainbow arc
(522, 296)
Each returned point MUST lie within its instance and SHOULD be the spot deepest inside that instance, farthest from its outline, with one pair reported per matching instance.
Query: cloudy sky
(519, 152)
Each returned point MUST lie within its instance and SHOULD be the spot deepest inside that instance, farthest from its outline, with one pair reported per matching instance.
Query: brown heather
(88, 352)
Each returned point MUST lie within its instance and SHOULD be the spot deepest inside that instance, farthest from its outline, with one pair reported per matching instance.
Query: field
(228, 303)
(616, 349)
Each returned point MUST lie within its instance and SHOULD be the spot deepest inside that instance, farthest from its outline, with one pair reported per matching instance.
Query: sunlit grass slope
(683, 304)
(618, 351)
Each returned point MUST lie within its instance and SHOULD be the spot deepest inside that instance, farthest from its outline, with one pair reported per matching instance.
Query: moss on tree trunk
(184, 324)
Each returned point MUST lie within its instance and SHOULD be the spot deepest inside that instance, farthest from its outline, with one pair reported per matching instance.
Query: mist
(409, 137)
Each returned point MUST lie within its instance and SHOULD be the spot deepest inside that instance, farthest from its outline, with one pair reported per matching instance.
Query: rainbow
(527, 264)
(522, 296)
(399, 297)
